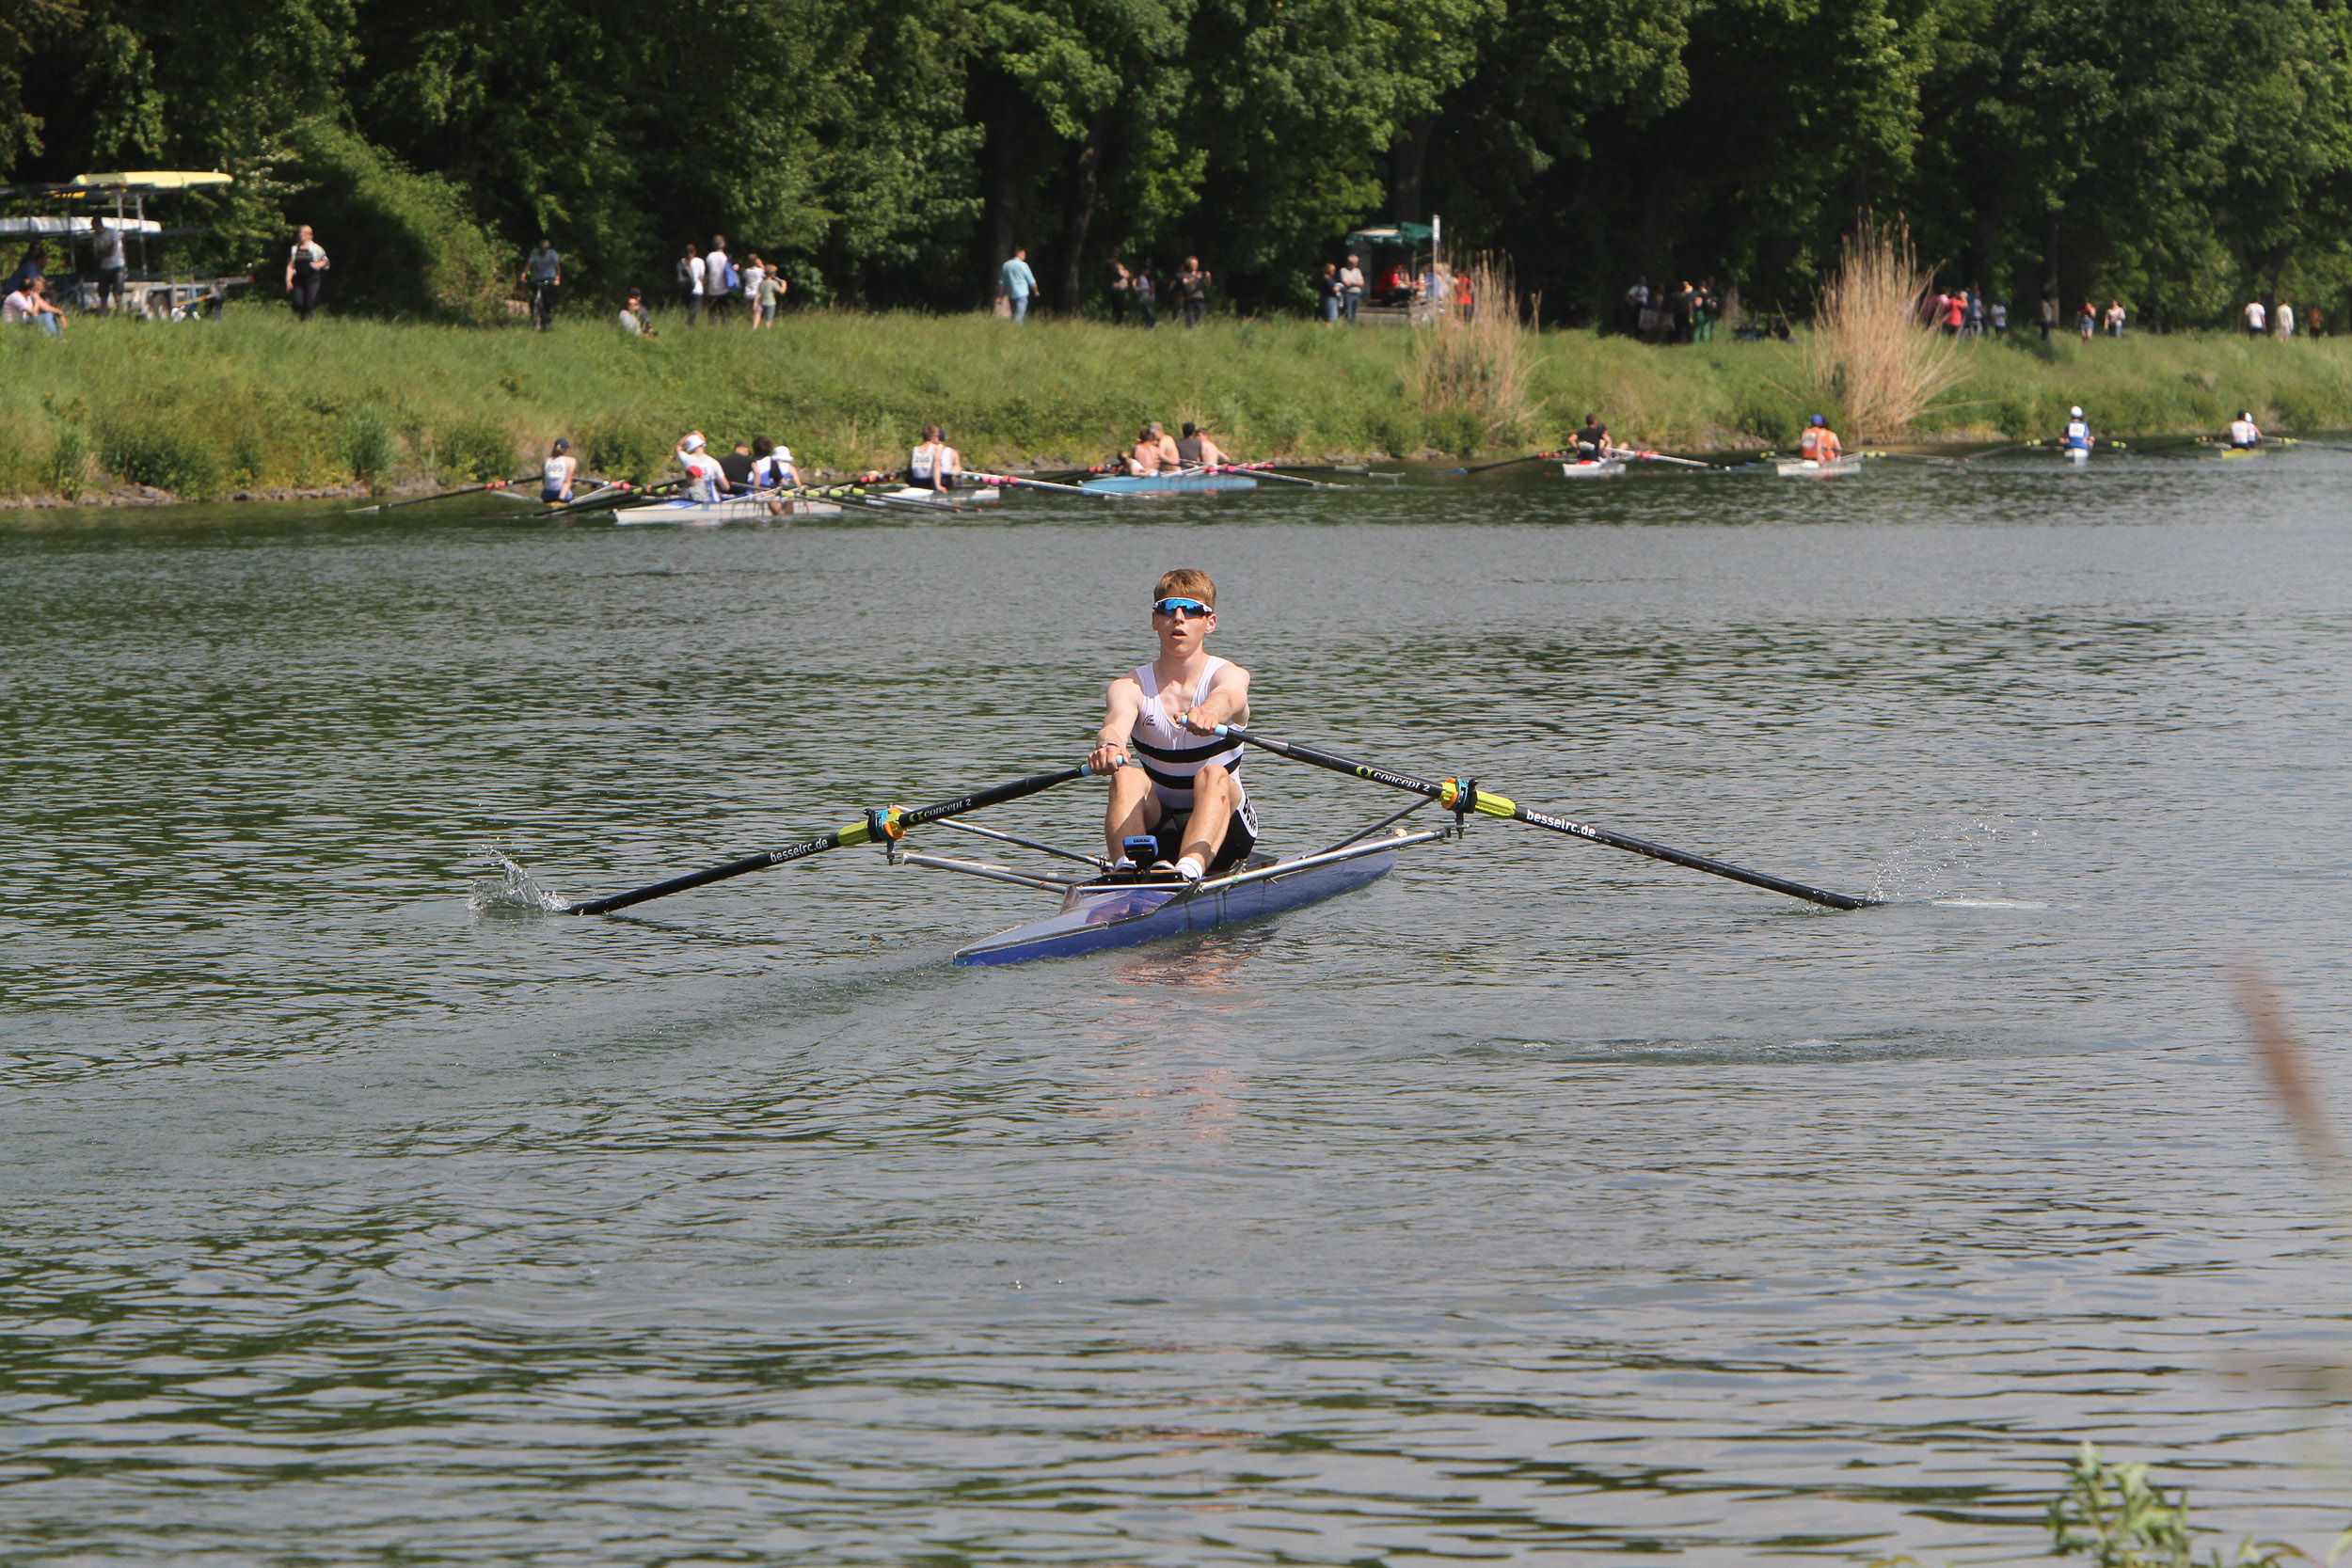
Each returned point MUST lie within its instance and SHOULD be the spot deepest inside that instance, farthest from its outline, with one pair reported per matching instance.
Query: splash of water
(1961, 865)
(514, 889)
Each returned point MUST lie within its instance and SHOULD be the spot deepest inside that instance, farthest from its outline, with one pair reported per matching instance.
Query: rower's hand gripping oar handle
(1462, 799)
(881, 824)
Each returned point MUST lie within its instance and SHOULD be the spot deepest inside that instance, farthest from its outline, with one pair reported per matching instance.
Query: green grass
(255, 401)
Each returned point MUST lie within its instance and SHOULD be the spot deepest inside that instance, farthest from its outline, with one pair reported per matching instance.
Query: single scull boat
(1167, 484)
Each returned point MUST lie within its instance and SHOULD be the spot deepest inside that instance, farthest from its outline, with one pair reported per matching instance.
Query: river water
(1540, 1201)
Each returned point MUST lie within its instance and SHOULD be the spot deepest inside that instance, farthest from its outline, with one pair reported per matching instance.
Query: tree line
(2183, 156)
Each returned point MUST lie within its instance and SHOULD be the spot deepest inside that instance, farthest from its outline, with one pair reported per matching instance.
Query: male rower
(737, 466)
(705, 480)
(1819, 442)
(1592, 443)
(2244, 434)
(2077, 436)
(934, 465)
(1154, 451)
(1194, 449)
(1184, 803)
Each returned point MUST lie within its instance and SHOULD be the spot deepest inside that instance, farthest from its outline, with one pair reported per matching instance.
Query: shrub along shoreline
(257, 404)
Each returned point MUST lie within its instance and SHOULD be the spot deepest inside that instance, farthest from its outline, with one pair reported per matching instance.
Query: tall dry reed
(1869, 349)
(1472, 365)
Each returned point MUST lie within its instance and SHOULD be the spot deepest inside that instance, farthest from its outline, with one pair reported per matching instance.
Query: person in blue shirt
(1016, 282)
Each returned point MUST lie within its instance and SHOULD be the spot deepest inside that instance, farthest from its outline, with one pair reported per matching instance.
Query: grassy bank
(256, 403)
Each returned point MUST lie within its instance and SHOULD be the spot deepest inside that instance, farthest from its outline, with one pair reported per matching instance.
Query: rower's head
(1191, 429)
(1592, 421)
(2075, 412)
(1155, 430)
(563, 445)
(1184, 610)
(761, 445)
(691, 441)
(1820, 421)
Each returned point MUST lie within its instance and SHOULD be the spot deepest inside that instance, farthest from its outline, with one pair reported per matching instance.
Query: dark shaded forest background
(2181, 154)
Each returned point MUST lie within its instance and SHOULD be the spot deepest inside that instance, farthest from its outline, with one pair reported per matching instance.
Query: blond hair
(1186, 583)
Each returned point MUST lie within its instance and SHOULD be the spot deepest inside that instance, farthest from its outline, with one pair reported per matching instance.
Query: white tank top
(1169, 754)
(557, 472)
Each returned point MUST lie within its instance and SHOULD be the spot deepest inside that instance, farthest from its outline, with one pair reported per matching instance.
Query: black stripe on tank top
(1184, 754)
(1180, 783)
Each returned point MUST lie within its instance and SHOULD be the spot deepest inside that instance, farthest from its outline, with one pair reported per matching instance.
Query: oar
(442, 495)
(886, 822)
(1460, 797)
(1512, 462)
(1260, 470)
(1662, 457)
(1047, 484)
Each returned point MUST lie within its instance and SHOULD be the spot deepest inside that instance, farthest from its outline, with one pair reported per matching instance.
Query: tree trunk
(1003, 188)
(1408, 155)
(1085, 180)
(2050, 261)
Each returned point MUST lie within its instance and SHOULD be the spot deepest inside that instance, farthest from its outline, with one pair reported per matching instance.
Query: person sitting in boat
(1186, 798)
(1196, 450)
(771, 471)
(1153, 452)
(556, 474)
(1592, 443)
(1819, 442)
(706, 481)
(2077, 436)
(737, 466)
(934, 465)
(2244, 434)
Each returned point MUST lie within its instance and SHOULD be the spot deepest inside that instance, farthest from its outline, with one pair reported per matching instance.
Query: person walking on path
(1146, 291)
(2286, 321)
(105, 248)
(2115, 317)
(1193, 284)
(689, 283)
(719, 278)
(1352, 288)
(542, 272)
(306, 265)
(1115, 281)
(1016, 282)
(2257, 319)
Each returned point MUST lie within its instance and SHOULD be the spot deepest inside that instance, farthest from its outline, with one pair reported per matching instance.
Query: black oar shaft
(888, 822)
(1452, 795)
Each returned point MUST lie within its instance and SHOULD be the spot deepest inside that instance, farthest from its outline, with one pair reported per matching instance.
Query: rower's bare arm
(1228, 702)
(1121, 709)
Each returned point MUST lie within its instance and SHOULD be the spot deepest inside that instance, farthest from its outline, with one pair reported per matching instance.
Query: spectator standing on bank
(1955, 315)
(2114, 317)
(1637, 306)
(773, 288)
(754, 279)
(2257, 319)
(1016, 282)
(544, 272)
(2316, 327)
(719, 278)
(1972, 319)
(1704, 310)
(1328, 295)
(1998, 312)
(2286, 321)
(1352, 288)
(1192, 283)
(306, 267)
(1146, 290)
(105, 251)
(1115, 279)
(2049, 316)
(2087, 321)
(1465, 302)
(690, 284)
(634, 320)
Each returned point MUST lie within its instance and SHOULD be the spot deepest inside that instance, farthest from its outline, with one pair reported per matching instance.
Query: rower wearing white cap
(2077, 432)
(705, 480)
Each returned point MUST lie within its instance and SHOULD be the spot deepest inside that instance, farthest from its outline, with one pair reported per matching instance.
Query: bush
(68, 472)
(367, 448)
(474, 450)
(616, 450)
(161, 458)
(399, 242)
(1768, 418)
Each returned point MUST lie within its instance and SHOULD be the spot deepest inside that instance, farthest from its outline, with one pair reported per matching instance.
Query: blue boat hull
(1169, 484)
(1097, 916)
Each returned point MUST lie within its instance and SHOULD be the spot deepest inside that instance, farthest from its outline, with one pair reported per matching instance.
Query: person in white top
(755, 273)
(556, 474)
(2244, 431)
(1185, 806)
(306, 267)
(2286, 319)
(1351, 289)
(934, 465)
(716, 293)
(705, 480)
(17, 309)
(2257, 319)
(2078, 436)
(773, 470)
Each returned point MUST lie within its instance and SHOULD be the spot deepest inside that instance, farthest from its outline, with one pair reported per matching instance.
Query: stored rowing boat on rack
(1167, 484)
(703, 513)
